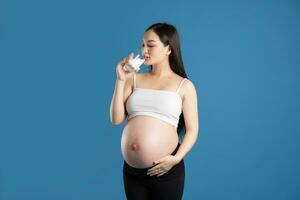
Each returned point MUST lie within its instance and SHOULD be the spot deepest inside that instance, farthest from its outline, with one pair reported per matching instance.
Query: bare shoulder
(188, 89)
(189, 85)
(140, 75)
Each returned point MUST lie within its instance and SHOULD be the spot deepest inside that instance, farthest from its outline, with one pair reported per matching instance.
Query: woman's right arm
(122, 90)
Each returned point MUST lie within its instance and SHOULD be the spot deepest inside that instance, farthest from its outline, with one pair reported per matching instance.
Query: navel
(134, 147)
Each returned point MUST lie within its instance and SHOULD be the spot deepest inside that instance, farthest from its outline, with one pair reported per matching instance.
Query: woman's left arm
(190, 112)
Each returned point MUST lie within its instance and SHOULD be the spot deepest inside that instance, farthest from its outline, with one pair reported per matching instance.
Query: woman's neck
(161, 70)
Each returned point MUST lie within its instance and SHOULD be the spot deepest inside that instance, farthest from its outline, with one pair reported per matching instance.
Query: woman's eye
(148, 45)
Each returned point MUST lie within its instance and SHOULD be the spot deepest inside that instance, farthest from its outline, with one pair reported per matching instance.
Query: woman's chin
(147, 63)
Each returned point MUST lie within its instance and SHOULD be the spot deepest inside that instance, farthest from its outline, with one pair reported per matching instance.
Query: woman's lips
(146, 58)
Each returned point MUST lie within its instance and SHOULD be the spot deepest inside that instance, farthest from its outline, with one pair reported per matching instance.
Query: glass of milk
(134, 64)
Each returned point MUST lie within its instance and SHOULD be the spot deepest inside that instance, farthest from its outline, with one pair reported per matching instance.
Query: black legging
(140, 186)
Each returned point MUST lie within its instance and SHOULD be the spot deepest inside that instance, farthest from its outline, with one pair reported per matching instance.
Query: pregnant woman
(158, 105)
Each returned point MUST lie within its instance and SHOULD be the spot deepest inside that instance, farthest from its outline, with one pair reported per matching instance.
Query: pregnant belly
(146, 139)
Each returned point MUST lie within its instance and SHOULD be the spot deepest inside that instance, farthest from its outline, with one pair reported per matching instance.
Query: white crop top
(162, 104)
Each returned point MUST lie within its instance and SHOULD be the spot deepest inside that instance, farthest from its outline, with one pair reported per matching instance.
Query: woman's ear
(169, 50)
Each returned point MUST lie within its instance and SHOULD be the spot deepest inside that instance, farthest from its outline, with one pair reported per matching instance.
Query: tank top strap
(134, 80)
(180, 85)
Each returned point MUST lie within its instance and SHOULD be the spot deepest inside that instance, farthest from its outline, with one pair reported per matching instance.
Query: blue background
(57, 77)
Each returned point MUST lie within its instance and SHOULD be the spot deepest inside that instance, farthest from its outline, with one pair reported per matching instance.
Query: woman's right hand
(122, 73)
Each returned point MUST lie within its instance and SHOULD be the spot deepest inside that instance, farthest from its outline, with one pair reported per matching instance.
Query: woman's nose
(144, 50)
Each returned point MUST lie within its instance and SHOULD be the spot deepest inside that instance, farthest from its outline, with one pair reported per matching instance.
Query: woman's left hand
(163, 165)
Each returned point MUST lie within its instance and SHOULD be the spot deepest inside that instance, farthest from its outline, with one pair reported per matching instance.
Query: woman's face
(153, 49)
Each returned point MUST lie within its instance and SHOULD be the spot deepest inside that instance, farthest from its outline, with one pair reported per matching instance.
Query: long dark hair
(168, 35)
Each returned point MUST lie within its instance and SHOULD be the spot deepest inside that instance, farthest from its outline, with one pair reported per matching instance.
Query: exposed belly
(146, 139)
